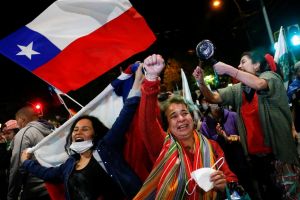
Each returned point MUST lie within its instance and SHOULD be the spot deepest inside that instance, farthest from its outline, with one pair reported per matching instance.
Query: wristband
(151, 77)
(200, 83)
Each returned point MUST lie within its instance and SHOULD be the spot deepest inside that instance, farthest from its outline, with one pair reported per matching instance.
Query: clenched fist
(153, 65)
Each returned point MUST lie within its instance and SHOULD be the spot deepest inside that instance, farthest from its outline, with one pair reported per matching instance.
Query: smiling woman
(95, 157)
(181, 150)
(180, 121)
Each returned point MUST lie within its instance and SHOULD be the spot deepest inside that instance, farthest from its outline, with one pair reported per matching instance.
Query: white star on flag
(27, 51)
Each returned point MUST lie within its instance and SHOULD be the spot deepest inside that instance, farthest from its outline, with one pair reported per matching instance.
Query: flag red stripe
(89, 57)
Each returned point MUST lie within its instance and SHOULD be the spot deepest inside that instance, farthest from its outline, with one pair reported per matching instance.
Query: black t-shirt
(91, 183)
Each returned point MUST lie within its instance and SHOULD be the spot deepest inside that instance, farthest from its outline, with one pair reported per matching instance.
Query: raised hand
(153, 65)
(199, 75)
(223, 68)
(139, 77)
(220, 131)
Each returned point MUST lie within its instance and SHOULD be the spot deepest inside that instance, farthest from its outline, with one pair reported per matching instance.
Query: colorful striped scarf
(172, 170)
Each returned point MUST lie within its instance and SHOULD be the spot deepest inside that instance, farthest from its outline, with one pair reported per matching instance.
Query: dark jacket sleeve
(50, 174)
(115, 136)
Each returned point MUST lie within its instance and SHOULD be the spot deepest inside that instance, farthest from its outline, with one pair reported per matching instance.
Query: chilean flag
(106, 106)
(75, 41)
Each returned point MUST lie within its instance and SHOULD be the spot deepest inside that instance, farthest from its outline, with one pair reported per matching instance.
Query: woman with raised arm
(178, 152)
(264, 122)
(96, 169)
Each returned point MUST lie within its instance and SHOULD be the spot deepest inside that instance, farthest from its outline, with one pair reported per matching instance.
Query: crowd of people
(242, 146)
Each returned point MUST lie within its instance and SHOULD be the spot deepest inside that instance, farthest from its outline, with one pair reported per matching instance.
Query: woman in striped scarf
(183, 150)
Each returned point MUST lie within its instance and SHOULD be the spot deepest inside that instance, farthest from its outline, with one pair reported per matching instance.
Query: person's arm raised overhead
(153, 134)
(212, 97)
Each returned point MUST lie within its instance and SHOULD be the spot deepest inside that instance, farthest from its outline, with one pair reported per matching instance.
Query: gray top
(27, 137)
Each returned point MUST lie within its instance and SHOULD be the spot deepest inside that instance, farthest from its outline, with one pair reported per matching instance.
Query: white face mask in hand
(202, 177)
(81, 147)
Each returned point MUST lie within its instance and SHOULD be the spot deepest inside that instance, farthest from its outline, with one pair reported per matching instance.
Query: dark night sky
(178, 25)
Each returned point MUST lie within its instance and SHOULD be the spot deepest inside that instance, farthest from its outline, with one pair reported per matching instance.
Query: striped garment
(173, 168)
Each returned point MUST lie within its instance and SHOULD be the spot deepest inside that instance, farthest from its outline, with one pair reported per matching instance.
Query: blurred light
(295, 40)
(294, 34)
(209, 78)
(216, 4)
(191, 51)
(38, 107)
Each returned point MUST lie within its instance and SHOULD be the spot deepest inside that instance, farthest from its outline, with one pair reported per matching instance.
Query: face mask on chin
(81, 147)
(204, 106)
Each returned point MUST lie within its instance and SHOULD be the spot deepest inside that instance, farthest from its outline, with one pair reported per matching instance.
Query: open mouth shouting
(79, 139)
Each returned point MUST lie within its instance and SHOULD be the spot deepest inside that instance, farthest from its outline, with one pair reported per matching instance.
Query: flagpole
(72, 99)
(58, 93)
(267, 22)
(64, 104)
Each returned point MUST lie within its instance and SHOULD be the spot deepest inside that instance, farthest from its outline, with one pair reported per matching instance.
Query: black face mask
(249, 92)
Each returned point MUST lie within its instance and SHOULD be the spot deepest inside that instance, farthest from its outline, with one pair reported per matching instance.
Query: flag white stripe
(50, 151)
(64, 21)
(281, 47)
(83, 111)
(188, 96)
(185, 88)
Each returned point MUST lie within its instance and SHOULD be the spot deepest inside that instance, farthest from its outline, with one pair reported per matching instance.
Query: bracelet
(200, 83)
(151, 77)
(237, 71)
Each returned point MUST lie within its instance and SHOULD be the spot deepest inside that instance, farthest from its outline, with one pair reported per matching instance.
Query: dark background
(179, 26)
